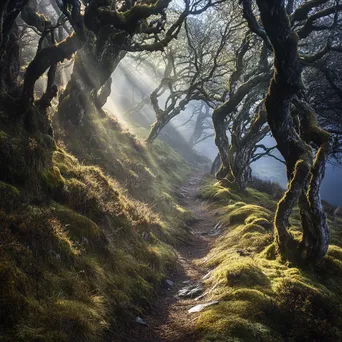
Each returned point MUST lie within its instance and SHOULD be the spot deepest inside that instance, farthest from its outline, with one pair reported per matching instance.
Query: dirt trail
(169, 320)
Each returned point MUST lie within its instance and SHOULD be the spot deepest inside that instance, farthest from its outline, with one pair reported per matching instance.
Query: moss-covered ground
(85, 242)
(263, 298)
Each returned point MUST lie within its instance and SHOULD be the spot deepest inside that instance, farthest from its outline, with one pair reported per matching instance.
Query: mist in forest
(133, 85)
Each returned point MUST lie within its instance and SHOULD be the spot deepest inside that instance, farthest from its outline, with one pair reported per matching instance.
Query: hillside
(94, 223)
(86, 242)
(93, 227)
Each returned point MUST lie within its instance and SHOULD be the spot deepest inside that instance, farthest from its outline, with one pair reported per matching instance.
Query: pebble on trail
(201, 307)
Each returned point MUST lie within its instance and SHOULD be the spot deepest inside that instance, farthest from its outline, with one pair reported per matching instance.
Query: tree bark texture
(46, 58)
(304, 173)
(242, 147)
(220, 116)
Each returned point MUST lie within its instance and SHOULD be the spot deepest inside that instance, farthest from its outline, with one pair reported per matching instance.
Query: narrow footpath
(169, 320)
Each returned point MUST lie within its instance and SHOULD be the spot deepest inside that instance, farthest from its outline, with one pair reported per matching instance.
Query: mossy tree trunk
(90, 81)
(304, 173)
(225, 112)
(222, 142)
(154, 131)
(46, 58)
(103, 94)
(243, 142)
(164, 117)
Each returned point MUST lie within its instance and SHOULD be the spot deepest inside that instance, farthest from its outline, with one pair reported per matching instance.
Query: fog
(132, 84)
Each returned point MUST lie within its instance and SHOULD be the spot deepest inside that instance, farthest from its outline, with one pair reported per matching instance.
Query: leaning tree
(203, 127)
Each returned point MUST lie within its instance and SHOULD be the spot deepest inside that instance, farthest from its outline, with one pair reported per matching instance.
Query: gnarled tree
(305, 171)
(193, 71)
(235, 114)
(102, 33)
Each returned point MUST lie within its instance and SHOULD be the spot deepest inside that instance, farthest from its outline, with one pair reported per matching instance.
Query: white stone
(201, 307)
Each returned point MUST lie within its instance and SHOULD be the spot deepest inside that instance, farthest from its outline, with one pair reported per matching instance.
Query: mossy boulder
(263, 222)
(245, 274)
(253, 228)
(247, 214)
(225, 194)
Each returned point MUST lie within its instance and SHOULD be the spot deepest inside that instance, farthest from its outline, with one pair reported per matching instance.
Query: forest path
(169, 320)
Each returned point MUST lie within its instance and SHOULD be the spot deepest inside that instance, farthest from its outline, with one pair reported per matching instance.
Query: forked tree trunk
(304, 174)
(46, 58)
(219, 120)
(242, 147)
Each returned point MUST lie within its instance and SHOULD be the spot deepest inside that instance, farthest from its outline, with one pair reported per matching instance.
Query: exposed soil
(169, 320)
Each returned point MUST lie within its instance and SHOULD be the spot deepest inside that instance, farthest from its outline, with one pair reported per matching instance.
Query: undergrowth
(263, 298)
(83, 248)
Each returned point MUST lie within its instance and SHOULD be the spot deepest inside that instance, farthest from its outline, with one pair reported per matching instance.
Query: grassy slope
(263, 298)
(83, 249)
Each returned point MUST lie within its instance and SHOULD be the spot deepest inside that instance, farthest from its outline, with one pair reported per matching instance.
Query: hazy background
(131, 84)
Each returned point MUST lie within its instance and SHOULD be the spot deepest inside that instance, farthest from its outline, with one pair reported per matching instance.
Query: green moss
(224, 194)
(79, 227)
(335, 252)
(23, 156)
(10, 196)
(52, 179)
(261, 297)
(263, 222)
(261, 198)
(3, 136)
(246, 214)
(245, 274)
(65, 318)
(82, 232)
(12, 299)
(269, 252)
(253, 228)
(223, 323)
